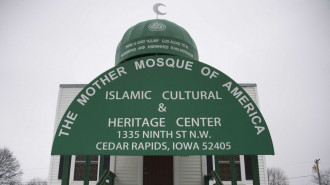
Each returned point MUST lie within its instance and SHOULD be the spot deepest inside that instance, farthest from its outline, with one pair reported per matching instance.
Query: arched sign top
(162, 105)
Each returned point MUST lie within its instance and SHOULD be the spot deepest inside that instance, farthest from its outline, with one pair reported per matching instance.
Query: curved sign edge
(118, 67)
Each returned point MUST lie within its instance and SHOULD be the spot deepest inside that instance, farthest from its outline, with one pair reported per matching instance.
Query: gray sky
(282, 45)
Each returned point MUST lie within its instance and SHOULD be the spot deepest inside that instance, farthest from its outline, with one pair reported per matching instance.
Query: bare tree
(37, 181)
(10, 169)
(277, 176)
(324, 176)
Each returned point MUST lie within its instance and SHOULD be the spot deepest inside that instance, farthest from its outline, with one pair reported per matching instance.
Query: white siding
(252, 92)
(55, 163)
(65, 97)
(127, 170)
(190, 170)
(262, 170)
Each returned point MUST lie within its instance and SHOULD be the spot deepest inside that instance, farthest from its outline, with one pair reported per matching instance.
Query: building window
(79, 168)
(224, 165)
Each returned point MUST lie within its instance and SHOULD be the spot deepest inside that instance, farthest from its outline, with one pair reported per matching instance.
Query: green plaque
(162, 105)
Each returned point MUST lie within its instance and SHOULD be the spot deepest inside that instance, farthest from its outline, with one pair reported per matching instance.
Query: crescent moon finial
(156, 10)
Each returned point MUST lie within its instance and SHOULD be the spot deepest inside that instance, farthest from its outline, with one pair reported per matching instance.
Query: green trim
(87, 170)
(107, 175)
(66, 170)
(233, 170)
(216, 177)
(207, 179)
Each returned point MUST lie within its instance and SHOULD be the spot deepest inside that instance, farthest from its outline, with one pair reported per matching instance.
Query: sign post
(66, 170)
(233, 170)
(87, 170)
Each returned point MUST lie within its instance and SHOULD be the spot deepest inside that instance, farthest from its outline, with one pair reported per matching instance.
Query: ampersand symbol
(161, 107)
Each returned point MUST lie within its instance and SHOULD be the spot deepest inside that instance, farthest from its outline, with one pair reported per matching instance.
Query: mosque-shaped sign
(166, 103)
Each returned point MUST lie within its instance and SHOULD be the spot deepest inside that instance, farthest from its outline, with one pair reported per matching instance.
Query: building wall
(188, 170)
(127, 170)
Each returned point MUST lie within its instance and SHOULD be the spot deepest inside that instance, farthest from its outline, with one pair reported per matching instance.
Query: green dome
(155, 36)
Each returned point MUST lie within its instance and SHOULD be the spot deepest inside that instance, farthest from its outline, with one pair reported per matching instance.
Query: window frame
(242, 166)
(73, 165)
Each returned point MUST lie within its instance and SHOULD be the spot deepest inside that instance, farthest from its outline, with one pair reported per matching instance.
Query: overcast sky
(282, 45)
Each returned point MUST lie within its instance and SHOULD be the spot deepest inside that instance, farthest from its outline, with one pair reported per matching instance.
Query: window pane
(226, 158)
(79, 170)
(93, 174)
(225, 172)
(94, 157)
(80, 158)
(224, 165)
(223, 157)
